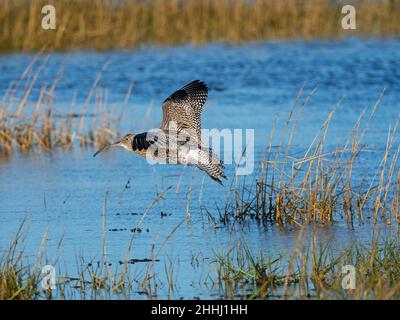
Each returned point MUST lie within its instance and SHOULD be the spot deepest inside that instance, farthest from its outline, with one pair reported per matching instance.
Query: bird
(178, 140)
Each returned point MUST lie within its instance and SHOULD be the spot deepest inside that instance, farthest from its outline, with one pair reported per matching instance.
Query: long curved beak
(115, 144)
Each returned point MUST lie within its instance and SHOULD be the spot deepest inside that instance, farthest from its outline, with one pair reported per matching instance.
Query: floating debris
(163, 214)
(133, 261)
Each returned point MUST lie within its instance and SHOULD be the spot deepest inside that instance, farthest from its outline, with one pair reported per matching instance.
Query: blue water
(250, 87)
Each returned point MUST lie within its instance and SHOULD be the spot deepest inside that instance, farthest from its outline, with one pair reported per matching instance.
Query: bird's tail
(210, 163)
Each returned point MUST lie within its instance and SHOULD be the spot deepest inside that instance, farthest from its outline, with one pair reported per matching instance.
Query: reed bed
(113, 24)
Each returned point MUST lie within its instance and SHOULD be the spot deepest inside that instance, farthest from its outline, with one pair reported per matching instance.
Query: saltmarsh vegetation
(319, 183)
(113, 24)
(312, 270)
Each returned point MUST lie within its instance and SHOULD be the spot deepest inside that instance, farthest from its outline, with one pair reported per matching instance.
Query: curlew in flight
(178, 141)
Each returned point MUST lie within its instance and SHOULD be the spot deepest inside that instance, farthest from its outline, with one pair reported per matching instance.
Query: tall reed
(34, 124)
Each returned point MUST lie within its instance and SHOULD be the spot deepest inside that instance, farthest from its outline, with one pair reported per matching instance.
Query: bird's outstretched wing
(184, 107)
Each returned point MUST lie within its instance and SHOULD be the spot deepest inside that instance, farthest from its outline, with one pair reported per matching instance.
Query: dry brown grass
(108, 24)
(27, 124)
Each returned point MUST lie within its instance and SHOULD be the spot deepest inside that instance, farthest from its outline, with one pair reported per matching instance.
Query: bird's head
(125, 142)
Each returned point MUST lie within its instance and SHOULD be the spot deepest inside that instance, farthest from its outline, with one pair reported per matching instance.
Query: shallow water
(250, 87)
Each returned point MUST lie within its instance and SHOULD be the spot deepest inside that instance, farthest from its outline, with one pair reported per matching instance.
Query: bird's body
(178, 141)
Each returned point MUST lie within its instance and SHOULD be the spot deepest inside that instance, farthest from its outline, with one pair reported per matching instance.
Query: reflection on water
(250, 86)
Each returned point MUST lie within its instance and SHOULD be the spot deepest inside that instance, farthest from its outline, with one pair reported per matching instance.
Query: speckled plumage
(183, 109)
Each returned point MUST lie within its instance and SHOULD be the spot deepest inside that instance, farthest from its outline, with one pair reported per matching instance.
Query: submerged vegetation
(108, 24)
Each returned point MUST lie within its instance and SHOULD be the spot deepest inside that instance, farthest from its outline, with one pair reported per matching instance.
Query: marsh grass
(20, 275)
(28, 124)
(94, 278)
(105, 25)
(320, 184)
(17, 280)
(310, 271)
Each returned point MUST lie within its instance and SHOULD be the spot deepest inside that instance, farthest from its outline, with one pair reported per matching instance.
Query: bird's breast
(188, 156)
